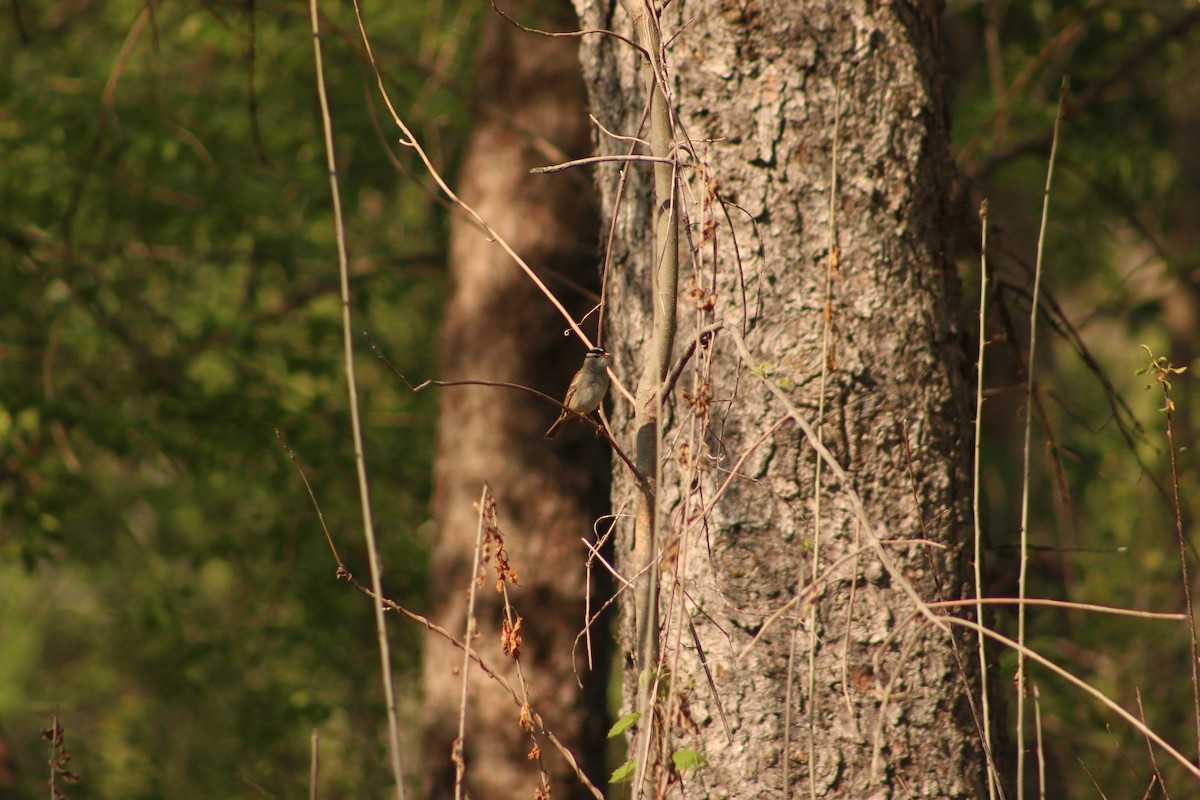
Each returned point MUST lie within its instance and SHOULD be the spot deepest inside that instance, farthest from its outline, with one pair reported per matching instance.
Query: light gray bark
(758, 88)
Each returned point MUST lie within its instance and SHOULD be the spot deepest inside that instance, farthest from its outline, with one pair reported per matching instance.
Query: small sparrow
(587, 389)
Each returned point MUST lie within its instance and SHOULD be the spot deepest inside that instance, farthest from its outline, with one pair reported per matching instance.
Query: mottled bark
(758, 87)
(530, 111)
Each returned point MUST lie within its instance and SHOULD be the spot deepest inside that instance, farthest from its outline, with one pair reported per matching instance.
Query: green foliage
(1118, 263)
(624, 773)
(684, 759)
(171, 315)
(623, 724)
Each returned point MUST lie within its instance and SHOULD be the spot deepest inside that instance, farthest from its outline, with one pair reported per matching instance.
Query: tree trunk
(847, 300)
(530, 111)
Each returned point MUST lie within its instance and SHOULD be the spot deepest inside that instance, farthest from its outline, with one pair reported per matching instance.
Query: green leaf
(623, 724)
(685, 759)
(623, 773)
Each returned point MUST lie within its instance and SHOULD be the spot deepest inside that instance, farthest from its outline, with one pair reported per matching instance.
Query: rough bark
(530, 111)
(757, 87)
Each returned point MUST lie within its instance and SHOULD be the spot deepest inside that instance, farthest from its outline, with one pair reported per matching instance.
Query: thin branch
(343, 572)
(985, 701)
(959, 660)
(733, 471)
(1150, 750)
(312, 496)
(1163, 616)
(1032, 655)
(664, 292)
(571, 34)
(499, 679)
(1052, 47)
(616, 136)
(618, 200)
(1029, 400)
(410, 141)
(677, 369)
(314, 763)
(828, 360)
(1041, 751)
(886, 696)
(601, 429)
(583, 162)
(459, 749)
(1164, 370)
(360, 463)
(611, 569)
(712, 684)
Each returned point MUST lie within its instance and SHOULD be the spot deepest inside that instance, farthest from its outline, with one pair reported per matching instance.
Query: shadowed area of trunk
(530, 111)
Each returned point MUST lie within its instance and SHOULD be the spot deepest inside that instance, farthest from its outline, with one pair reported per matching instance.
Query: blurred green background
(170, 322)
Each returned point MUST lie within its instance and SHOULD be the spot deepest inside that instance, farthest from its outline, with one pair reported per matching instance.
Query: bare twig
(733, 471)
(616, 136)
(1162, 372)
(1064, 604)
(985, 701)
(650, 397)
(1186, 580)
(314, 763)
(600, 428)
(584, 162)
(410, 140)
(570, 34)
(539, 723)
(681, 362)
(1150, 750)
(959, 660)
(343, 572)
(1052, 46)
(364, 495)
(1029, 398)
(1032, 655)
(1041, 751)
(66, 224)
(712, 684)
(459, 751)
(828, 360)
(596, 554)
(885, 696)
(316, 505)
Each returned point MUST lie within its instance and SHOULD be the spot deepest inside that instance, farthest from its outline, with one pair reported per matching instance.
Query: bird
(587, 389)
